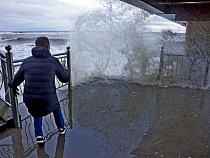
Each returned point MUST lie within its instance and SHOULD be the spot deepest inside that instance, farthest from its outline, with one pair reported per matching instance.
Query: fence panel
(182, 70)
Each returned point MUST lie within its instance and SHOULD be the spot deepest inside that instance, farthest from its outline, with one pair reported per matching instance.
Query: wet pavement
(116, 119)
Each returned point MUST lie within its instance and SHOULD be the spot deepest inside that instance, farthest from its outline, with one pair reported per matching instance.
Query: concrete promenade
(116, 119)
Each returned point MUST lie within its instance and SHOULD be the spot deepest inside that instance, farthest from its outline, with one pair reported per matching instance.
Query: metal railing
(182, 69)
(9, 67)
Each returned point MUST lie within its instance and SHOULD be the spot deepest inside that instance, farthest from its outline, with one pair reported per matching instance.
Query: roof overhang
(178, 11)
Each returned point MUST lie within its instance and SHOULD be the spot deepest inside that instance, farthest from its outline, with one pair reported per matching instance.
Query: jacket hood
(40, 52)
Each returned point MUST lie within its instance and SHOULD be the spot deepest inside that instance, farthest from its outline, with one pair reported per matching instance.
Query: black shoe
(62, 130)
(40, 139)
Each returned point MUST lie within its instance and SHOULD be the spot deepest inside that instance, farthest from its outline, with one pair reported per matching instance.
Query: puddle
(117, 119)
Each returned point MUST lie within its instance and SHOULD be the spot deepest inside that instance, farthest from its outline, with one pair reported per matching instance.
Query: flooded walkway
(115, 119)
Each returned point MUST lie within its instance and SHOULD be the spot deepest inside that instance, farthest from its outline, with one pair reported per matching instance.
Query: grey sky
(53, 15)
(39, 14)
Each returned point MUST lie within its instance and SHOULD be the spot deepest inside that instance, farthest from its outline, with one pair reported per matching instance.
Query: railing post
(13, 99)
(4, 76)
(70, 109)
(206, 72)
(69, 67)
(161, 64)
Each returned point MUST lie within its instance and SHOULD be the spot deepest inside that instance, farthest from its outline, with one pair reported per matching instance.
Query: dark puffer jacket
(39, 73)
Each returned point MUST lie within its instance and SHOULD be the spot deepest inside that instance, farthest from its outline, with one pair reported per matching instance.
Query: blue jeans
(58, 120)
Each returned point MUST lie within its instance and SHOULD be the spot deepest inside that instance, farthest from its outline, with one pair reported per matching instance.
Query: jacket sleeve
(61, 73)
(19, 77)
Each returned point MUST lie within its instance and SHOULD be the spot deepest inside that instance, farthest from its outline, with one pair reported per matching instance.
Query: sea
(87, 62)
(23, 42)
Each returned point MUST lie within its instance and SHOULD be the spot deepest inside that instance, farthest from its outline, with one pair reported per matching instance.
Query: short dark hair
(42, 41)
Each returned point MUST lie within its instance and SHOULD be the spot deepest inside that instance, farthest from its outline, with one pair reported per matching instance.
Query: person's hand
(64, 66)
(14, 89)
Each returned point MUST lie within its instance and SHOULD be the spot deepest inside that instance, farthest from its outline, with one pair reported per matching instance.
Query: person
(39, 95)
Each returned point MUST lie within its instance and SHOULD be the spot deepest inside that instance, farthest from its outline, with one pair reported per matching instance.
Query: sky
(56, 15)
(30, 15)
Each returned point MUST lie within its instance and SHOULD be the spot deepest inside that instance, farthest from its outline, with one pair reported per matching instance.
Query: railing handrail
(58, 54)
(183, 55)
(174, 54)
(3, 57)
(21, 60)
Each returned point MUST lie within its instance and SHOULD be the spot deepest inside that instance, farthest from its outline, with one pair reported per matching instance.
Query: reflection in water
(41, 151)
(70, 119)
(116, 113)
(60, 146)
(144, 120)
(112, 118)
(182, 129)
(11, 144)
(18, 145)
